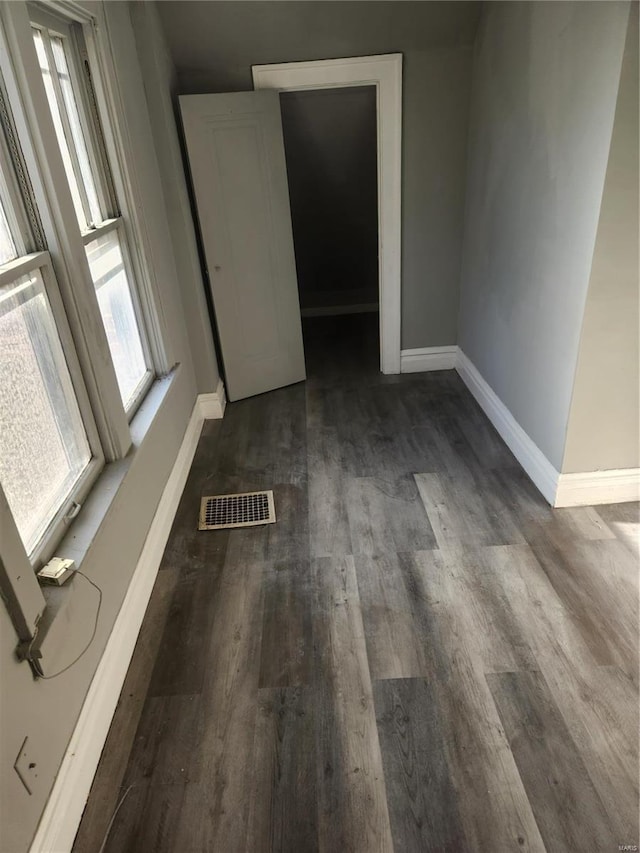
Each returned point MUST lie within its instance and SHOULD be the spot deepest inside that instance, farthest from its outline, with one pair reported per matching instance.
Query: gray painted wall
(46, 711)
(545, 81)
(161, 90)
(437, 86)
(604, 424)
(330, 142)
(214, 45)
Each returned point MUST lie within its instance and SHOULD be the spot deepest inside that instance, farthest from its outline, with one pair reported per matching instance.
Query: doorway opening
(330, 143)
(382, 73)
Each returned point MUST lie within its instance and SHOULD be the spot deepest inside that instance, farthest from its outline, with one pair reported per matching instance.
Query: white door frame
(385, 73)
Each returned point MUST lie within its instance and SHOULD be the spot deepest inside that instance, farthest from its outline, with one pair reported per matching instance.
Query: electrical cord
(39, 673)
(113, 817)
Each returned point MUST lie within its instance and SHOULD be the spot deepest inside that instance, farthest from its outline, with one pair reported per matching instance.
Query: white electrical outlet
(56, 572)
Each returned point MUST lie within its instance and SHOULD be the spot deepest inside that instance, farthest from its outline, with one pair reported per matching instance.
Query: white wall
(46, 711)
(545, 80)
(604, 424)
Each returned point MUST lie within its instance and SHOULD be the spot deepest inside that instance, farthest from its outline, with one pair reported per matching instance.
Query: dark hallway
(341, 349)
(331, 153)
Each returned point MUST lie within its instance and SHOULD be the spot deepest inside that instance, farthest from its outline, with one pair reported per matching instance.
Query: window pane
(43, 444)
(76, 129)
(57, 123)
(110, 280)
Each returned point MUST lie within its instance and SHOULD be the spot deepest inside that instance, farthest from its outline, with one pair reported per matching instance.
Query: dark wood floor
(419, 656)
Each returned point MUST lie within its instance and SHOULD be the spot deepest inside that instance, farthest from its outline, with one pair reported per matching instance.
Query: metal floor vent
(243, 510)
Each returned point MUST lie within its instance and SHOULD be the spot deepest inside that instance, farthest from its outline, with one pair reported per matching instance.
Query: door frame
(385, 73)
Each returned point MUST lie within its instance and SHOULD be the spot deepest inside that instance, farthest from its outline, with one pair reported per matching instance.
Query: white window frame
(35, 130)
(54, 531)
(117, 224)
(119, 148)
(28, 261)
(64, 266)
(44, 19)
(43, 185)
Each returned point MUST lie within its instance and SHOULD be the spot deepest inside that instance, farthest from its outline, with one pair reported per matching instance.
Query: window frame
(49, 210)
(47, 34)
(58, 524)
(27, 237)
(106, 227)
(96, 48)
(73, 32)
(45, 169)
(57, 241)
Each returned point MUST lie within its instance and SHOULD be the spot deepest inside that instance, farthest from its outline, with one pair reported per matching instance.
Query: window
(44, 443)
(81, 145)
(75, 360)
(49, 451)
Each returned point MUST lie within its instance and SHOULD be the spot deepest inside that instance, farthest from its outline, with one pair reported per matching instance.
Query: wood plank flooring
(420, 655)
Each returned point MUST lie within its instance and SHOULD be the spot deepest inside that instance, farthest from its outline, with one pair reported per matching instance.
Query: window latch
(74, 509)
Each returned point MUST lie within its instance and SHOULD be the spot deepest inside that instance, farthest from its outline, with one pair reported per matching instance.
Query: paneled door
(239, 178)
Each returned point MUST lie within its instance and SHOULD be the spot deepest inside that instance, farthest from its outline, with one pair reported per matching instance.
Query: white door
(239, 176)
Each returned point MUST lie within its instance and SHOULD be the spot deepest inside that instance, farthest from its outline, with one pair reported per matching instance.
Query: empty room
(319, 426)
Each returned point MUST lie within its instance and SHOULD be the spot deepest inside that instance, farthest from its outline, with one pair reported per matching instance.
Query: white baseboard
(428, 358)
(598, 487)
(587, 488)
(63, 812)
(335, 310)
(528, 454)
(213, 405)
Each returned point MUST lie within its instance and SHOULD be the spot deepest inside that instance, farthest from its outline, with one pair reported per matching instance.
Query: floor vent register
(250, 509)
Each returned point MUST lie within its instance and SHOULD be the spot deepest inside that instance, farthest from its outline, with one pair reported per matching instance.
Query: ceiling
(217, 42)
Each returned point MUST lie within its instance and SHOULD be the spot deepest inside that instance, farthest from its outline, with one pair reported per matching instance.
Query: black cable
(93, 633)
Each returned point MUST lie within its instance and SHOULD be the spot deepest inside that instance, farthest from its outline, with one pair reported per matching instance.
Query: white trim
(617, 485)
(100, 230)
(213, 405)
(528, 454)
(18, 267)
(385, 73)
(587, 488)
(68, 9)
(130, 173)
(35, 131)
(63, 812)
(428, 358)
(335, 310)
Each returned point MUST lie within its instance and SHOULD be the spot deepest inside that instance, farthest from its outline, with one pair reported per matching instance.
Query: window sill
(82, 532)
(78, 540)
